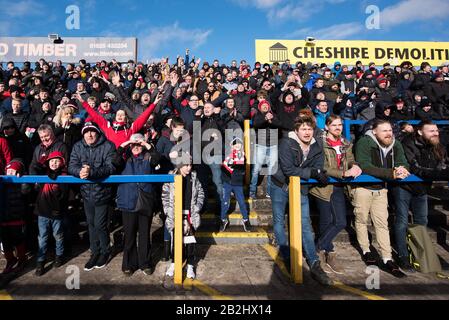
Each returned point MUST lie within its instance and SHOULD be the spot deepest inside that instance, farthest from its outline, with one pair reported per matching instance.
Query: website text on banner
(349, 52)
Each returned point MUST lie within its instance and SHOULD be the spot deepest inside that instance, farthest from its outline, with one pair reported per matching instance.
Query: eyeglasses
(8, 128)
(193, 100)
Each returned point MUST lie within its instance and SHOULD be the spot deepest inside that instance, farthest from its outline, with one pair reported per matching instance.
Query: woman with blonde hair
(67, 128)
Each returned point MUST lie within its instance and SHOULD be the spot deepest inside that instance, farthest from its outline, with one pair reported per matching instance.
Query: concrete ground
(237, 272)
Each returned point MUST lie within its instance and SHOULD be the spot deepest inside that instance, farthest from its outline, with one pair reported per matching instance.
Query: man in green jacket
(381, 156)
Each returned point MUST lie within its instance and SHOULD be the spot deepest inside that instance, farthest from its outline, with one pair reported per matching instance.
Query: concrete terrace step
(233, 235)
(235, 219)
(253, 205)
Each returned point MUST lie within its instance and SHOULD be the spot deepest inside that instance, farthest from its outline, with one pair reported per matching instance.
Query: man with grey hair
(48, 145)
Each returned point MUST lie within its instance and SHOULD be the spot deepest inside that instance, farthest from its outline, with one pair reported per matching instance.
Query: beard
(387, 141)
(434, 141)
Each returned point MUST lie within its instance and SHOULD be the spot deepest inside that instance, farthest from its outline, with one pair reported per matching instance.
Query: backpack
(421, 251)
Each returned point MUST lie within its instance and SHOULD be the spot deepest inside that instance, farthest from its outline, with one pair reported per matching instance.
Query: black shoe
(90, 265)
(246, 225)
(319, 275)
(59, 262)
(40, 269)
(405, 265)
(102, 261)
(167, 251)
(148, 271)
(393, 269)
(224, 224)
(370, 259)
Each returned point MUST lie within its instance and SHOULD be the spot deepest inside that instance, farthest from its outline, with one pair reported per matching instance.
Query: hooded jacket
(379, 161)
(293, 163)
(18, 143)
(168, 196)
(100, 158)
(51, 201)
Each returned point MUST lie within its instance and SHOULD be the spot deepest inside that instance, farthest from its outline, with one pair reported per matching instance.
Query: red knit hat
(56, 155)
(262, 102)
(15, 165)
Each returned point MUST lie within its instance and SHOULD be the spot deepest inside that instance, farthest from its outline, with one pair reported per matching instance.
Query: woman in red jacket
(119, 131)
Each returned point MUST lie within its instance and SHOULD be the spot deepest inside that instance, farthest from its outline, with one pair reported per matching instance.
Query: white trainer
(190, 273)
(171, 270)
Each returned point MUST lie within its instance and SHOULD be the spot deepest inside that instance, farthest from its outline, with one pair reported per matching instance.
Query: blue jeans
(226, 200)
(279, 200)
(332, 219)
(404, 201)
(203, 175)
(97, 221)
(264, 155)
(45, 224)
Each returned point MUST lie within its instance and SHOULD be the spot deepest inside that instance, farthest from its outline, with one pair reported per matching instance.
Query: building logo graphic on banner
(349, 51)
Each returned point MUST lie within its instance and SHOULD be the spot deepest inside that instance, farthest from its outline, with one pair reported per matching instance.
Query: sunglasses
(8, 128)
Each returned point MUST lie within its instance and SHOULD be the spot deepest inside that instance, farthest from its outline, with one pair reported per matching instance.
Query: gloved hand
(54, 174)
(320, 176)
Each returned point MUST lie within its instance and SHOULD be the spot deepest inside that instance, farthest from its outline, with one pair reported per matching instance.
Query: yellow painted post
(247, 143)
(178, 237)
(295, 229)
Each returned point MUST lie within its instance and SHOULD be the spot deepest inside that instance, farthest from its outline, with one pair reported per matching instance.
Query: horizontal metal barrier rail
(72, 180)
(295, 210)
(366, 179)
(177, 179)
(348, 123)
(294, 204)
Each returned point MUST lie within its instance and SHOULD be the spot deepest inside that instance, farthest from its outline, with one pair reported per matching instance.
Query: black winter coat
(424, 164)
(99, 157)
(292, 162)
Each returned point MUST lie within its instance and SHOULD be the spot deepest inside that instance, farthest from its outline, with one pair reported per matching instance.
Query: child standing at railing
(233, 172)
(51, 205)
(192, 203)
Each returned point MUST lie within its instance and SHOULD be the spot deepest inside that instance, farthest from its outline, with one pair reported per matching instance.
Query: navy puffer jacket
(99, 157)
(144, 164)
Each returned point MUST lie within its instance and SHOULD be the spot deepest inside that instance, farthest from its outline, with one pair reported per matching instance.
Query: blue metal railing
(72, 180)
(348, 123)
(171, 178)
(366, 179)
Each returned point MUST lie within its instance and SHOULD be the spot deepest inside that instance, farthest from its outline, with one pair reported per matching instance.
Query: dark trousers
(188, 250)
(97, 221)
(12, 236)
(137, 246)
(406, 201)
(332, 219)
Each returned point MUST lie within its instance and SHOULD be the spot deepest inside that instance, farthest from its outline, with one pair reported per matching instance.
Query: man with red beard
(428, 160)
(381, 156)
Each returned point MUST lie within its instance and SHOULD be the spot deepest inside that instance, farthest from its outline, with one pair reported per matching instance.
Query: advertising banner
(349, 52)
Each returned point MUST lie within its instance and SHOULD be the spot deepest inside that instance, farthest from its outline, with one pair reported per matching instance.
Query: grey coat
(168, 196)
